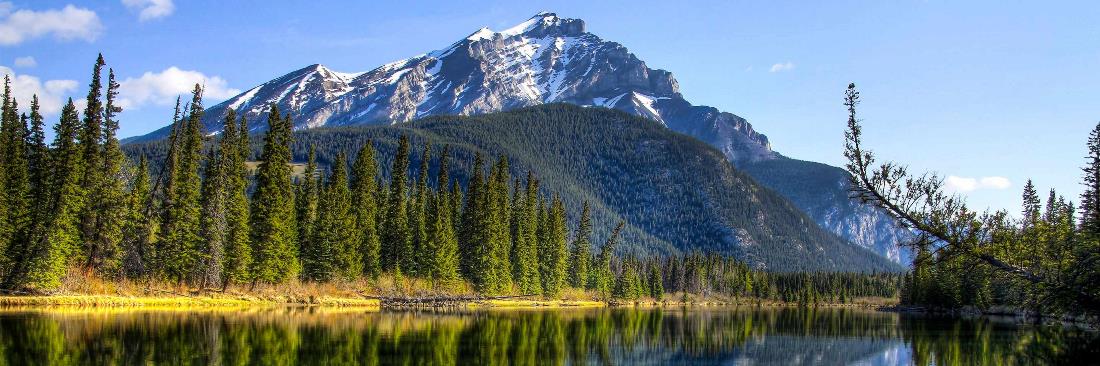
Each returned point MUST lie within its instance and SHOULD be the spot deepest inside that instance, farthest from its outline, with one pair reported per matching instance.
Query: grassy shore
(89, 291)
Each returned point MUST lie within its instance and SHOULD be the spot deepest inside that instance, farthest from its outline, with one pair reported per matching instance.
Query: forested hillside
(675, 193)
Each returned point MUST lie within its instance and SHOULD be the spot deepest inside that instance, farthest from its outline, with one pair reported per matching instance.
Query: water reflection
(283, 336)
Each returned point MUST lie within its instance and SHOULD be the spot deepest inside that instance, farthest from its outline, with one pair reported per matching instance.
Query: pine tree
(235, 151)
(475, 250)
(364, 187)
(91, 142)
(418, 221)
(396, 236)
(139, 232)
(581, 250)
(46, 259)
(1090, 199)
(498, 227)
(109, 196)
(38, 172)
(443, 243)
(553, 252)
(214, 220)
(341, 255)
(307, 194)
(179, 253)
(600, 280)
(525, 256)
(15, 179)
(656, 284)
(274, 250)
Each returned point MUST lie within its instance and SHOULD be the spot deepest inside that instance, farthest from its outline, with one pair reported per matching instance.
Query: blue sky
(998, 90)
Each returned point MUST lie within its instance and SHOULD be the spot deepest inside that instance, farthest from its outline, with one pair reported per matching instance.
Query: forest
(212, 214)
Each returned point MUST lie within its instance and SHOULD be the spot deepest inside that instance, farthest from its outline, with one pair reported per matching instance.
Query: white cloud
(25, 62)
(67, 23)
(782, 67)
(162, 88)
(966, 184)
(151, 9)
(51, 93)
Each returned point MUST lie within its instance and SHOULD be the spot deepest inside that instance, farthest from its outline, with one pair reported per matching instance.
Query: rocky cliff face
(545, 59)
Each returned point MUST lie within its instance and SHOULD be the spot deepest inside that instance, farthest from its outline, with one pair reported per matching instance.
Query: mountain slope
(674, 192)
(546, 59)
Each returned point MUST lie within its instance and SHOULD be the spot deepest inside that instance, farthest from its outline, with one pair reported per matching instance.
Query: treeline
(1046, 239)
(209, 216)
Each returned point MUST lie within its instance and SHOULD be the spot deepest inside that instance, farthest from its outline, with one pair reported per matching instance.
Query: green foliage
(139, 232)
(580, 252)
(365, 193)
(238, 250)
(274, 248)
(396, 236)
(552, 252)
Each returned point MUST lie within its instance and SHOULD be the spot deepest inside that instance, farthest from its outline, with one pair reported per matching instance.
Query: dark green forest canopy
(675, 193)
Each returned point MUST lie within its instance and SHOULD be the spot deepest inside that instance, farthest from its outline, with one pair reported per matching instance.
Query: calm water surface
(727, 336)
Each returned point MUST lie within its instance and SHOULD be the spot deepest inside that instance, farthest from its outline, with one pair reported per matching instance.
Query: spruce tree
(581, 250)
(553, 252)
(15, 179)
(475, 250)
(214, 222)
(601, 278)
(656, 284)
(396, 236)
(498, 225)
(91, 143)
(46, 259)
(109, 196)
(364, 190)
(235, 151)
(443, 243)
(307, 197)
(274, 250)
(1090, 198)
(6, 110)
(340, 222)
(180, 249)
(525, 258)
(139, 232)
(418, 221)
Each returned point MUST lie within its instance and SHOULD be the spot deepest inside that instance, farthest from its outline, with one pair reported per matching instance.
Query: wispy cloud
(27, 61)
(161, 88)
(788, 66)
(967, 184)
(51, 93)
(151, 9)
(68, 23)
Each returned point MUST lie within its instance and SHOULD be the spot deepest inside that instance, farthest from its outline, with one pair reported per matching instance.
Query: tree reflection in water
(283, 336)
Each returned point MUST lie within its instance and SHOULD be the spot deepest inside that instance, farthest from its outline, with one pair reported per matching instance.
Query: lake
(670, 336)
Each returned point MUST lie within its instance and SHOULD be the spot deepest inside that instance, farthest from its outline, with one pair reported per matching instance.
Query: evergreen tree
(235, 150)
(600, 280)
(525, 256)
(1090, 199)
(364, 190)
(656, 284)
(179, 252)
(581, 250)
(214, 221)
(552, 252)
(307, 194)
(14, 179)
(45, 260)
(340, 254)
(475, 250)
(274, 250)
(109, 196)
(418, 221)
(91, 143)
(497, 227)
(139, 233)
(396, 236)
(443, 242)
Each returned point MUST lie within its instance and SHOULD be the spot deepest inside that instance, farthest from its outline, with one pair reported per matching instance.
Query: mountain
(674, 192)
(546, 59)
